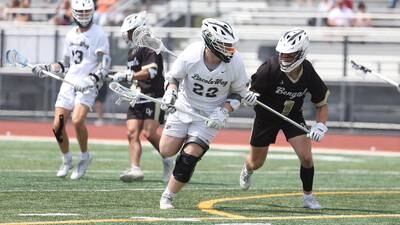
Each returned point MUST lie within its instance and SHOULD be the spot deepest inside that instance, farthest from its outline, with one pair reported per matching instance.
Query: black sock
(307, 177)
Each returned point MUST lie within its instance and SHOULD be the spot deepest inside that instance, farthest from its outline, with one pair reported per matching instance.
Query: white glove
(218, 118)
(123, 76)
(85, 84)
(317, 131)
(251, 98)
(168, 100)
(39, 68)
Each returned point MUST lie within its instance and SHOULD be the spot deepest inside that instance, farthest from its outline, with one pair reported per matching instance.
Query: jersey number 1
(288, 105)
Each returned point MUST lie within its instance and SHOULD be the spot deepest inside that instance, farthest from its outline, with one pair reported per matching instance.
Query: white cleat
(168, 164)
(166, 202)
(310, 202)
(245, 178)
(81, 168)
(132, 174)
(64, 169)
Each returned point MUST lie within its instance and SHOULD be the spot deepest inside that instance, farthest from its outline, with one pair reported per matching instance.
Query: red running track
(226, 136)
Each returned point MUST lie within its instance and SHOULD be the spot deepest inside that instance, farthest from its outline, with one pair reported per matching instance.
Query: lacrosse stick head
(124, 94)
(361, 71)
(14, 58)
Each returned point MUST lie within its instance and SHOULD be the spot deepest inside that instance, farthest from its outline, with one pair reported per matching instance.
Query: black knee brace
(58, 132)
(198, 141)
(184, 166)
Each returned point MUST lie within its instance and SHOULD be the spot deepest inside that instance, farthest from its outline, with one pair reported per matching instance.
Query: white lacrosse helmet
(82, 11)
(132, 22)
(294, 40)
(219, 37)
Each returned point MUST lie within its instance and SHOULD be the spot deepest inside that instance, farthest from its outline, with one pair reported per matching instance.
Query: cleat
(132, 174)
(81, 168)
(310, 202)
(166, 202)
(64, 169)
(168, 164)
(245, 178)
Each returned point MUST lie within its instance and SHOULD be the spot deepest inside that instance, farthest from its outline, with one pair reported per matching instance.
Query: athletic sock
(85, 155)
(67, 158)
(168, 193)
(307, 177)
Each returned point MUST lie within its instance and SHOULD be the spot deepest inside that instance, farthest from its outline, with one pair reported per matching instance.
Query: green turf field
(352, 189)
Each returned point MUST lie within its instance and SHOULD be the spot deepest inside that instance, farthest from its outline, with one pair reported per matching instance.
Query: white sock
(85, 155)
(246, 170)
(135, 167)
(168, 193)
(67, 158)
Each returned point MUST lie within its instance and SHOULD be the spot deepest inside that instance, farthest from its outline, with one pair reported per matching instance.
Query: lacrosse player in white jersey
(211, 79)
(86, 63)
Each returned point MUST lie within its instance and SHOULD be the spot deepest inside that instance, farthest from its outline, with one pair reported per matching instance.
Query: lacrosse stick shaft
(54, 76)
(177, 108)
(390, 81)
(283, 117)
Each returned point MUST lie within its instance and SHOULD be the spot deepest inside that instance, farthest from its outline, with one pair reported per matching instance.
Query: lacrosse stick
(132, 96)
(142, 37)
(283, 117)
(14, 58)
(365, 70)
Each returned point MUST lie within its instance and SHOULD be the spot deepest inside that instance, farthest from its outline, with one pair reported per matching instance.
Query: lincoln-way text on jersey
(221, 82)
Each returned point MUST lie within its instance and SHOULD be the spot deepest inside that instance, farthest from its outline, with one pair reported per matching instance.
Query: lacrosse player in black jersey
(145, 71)
(282, 83)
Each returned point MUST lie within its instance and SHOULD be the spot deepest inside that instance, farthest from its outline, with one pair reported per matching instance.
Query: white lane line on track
(373, 152)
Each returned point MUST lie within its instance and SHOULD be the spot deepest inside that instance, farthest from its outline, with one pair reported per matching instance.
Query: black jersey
(142, 58)
(281, 93)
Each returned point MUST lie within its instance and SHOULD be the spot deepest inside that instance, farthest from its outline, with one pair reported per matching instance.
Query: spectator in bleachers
(102, 11)
(324, 7)
(362, 18)
(23, 17)
(64, 14)
(340, 15)
(348, 3)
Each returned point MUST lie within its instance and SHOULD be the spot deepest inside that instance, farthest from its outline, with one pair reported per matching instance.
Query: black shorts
(265, 130)
(102, 93)
(147, 110)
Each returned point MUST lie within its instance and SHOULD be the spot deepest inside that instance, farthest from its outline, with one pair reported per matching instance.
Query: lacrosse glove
(251, 98)
(218, 118)
(39, 69)
(85, 84)
(168, 100)
(318, 131)
(123, 76)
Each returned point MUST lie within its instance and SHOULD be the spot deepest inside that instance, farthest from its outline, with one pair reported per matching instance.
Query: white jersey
(82, 49)
(201, 88)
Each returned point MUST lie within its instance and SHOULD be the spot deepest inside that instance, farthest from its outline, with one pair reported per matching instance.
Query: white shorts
(182, 125)
(68, 98)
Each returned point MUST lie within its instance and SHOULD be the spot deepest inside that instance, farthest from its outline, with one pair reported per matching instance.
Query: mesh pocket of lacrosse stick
(123, 94)
(143, 37)
(14, 58)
